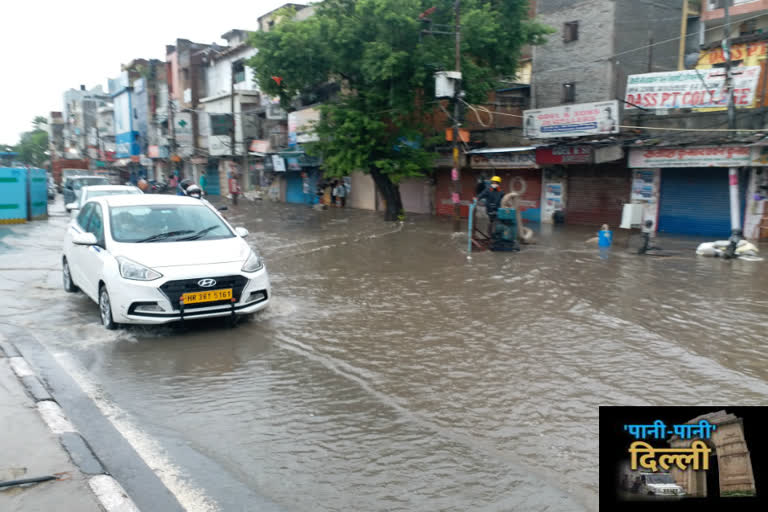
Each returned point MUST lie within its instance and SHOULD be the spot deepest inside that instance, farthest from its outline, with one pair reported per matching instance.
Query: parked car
(69, 173)
(91, 191)
(73, 185)
(155, 259)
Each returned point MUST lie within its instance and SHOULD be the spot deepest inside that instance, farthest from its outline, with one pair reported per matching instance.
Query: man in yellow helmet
(492, 196)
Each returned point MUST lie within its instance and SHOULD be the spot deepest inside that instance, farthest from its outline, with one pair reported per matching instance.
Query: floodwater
(390, 373)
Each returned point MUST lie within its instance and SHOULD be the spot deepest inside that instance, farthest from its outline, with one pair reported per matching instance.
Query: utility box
(446, 83)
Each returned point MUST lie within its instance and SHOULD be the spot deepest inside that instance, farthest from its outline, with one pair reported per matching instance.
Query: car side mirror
(71, 206)
(241, 232)
(84, 239)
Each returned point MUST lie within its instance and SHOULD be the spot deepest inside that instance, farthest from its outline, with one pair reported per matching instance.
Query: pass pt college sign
(572, 120)
(703, 88)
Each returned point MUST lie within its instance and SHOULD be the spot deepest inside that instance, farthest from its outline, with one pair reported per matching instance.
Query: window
(569, 92)
(570, 31)
(96, 224)
(82, 218)
(238, 70)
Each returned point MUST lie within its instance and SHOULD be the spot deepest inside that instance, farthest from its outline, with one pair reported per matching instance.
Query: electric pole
(457, 96)
(232, 109)
(733, 172)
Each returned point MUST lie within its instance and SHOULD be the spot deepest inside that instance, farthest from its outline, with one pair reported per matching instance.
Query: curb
(107, 490)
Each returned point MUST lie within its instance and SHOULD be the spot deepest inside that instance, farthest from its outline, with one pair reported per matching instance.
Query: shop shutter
(596, 194)
(213, 184)
(294, 191)
(696, 201)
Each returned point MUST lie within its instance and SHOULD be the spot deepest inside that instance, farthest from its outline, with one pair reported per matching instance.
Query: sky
(51, 46)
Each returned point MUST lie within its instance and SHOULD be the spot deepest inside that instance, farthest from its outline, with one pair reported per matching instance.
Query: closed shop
(517, 168)
(696, 201)
(415, 195)
(445, 190)
(294, 190)
(694, 196)
(363, 191)
(597, 193)
(213, 184)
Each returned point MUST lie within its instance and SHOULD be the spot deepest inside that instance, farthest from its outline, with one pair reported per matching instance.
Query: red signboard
(560, 155)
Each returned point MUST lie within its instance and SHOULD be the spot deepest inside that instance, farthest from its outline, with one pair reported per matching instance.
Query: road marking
(191, 498)
(54, 417)
(111, 494)
(20, 367)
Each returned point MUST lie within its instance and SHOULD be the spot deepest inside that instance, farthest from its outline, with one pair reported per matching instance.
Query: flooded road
(390, 373)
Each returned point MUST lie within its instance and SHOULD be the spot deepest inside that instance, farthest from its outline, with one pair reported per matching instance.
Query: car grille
(174, 290)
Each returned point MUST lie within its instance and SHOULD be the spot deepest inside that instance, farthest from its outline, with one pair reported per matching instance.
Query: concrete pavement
(38, 440)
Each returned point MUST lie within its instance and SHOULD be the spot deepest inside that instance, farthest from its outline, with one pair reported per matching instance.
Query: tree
(33, 146)
(374, 51)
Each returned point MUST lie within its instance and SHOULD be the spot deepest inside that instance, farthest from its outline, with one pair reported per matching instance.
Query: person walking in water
(234, 187)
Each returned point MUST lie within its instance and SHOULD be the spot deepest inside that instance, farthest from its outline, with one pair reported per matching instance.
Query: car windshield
(80, 183)
(166, 223)
(90, 194)
(659, 478)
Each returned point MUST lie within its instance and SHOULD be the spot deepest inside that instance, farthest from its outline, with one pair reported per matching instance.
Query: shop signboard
(564, 155)
(572, 120)
(697, 88)
(710, 156)
(514, 160)
(278, 164)
(300, 126)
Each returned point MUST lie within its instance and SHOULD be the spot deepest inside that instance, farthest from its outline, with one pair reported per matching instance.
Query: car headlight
(253, 263)
(136, 271)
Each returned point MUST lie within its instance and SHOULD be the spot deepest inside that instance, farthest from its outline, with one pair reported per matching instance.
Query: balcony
(740, 10)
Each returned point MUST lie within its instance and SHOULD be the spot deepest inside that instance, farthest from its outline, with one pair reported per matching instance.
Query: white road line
(191, 498)
(20, 367)
(111, 494)
(54, 417)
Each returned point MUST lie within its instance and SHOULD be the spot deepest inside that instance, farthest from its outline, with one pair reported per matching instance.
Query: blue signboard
(126, 138)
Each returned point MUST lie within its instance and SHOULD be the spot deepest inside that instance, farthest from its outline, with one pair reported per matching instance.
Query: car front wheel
(69, 285)
(105, 309)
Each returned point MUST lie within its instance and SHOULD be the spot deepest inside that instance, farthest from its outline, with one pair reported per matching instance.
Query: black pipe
(23, 481)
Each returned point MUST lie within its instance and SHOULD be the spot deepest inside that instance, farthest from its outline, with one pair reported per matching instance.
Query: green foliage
(33, 146)
(374, 49)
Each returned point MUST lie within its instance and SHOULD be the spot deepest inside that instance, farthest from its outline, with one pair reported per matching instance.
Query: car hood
(194, 252)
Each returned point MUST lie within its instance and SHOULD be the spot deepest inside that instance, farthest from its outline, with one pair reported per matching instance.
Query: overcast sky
(50, 46)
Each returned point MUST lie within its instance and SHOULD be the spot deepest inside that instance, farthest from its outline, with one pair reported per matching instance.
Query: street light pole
(456, 173)
(733, 172)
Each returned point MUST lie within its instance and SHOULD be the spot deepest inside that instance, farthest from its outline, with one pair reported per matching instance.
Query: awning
(501, 150)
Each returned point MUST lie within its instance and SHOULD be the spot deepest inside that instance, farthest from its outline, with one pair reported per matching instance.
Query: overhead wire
(644, 47)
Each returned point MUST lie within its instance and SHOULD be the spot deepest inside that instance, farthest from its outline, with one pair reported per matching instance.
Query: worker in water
(492, 196)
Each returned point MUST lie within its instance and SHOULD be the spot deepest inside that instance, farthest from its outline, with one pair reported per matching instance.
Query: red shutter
(596, 194)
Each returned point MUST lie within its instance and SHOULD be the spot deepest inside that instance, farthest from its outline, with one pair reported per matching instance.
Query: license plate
(209, 296)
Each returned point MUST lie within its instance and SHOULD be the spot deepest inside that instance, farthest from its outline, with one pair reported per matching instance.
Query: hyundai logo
(206, 283)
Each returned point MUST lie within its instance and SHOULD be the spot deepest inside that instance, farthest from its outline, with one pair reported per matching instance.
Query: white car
(88, 193)
(155, 259)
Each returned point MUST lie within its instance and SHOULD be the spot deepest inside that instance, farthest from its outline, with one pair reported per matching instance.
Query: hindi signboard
(514, 160)
(561, 155)
(713, 156)
(698, 88)
(572, 120)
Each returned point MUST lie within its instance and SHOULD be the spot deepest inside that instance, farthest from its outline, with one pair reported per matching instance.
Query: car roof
(147, 200)
(87, 177)
(109, 188)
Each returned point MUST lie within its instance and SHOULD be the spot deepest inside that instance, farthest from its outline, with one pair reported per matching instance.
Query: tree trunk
(390, 192)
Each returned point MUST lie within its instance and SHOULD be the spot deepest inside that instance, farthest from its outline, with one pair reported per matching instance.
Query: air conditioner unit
(275, 113)
(278, 140)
